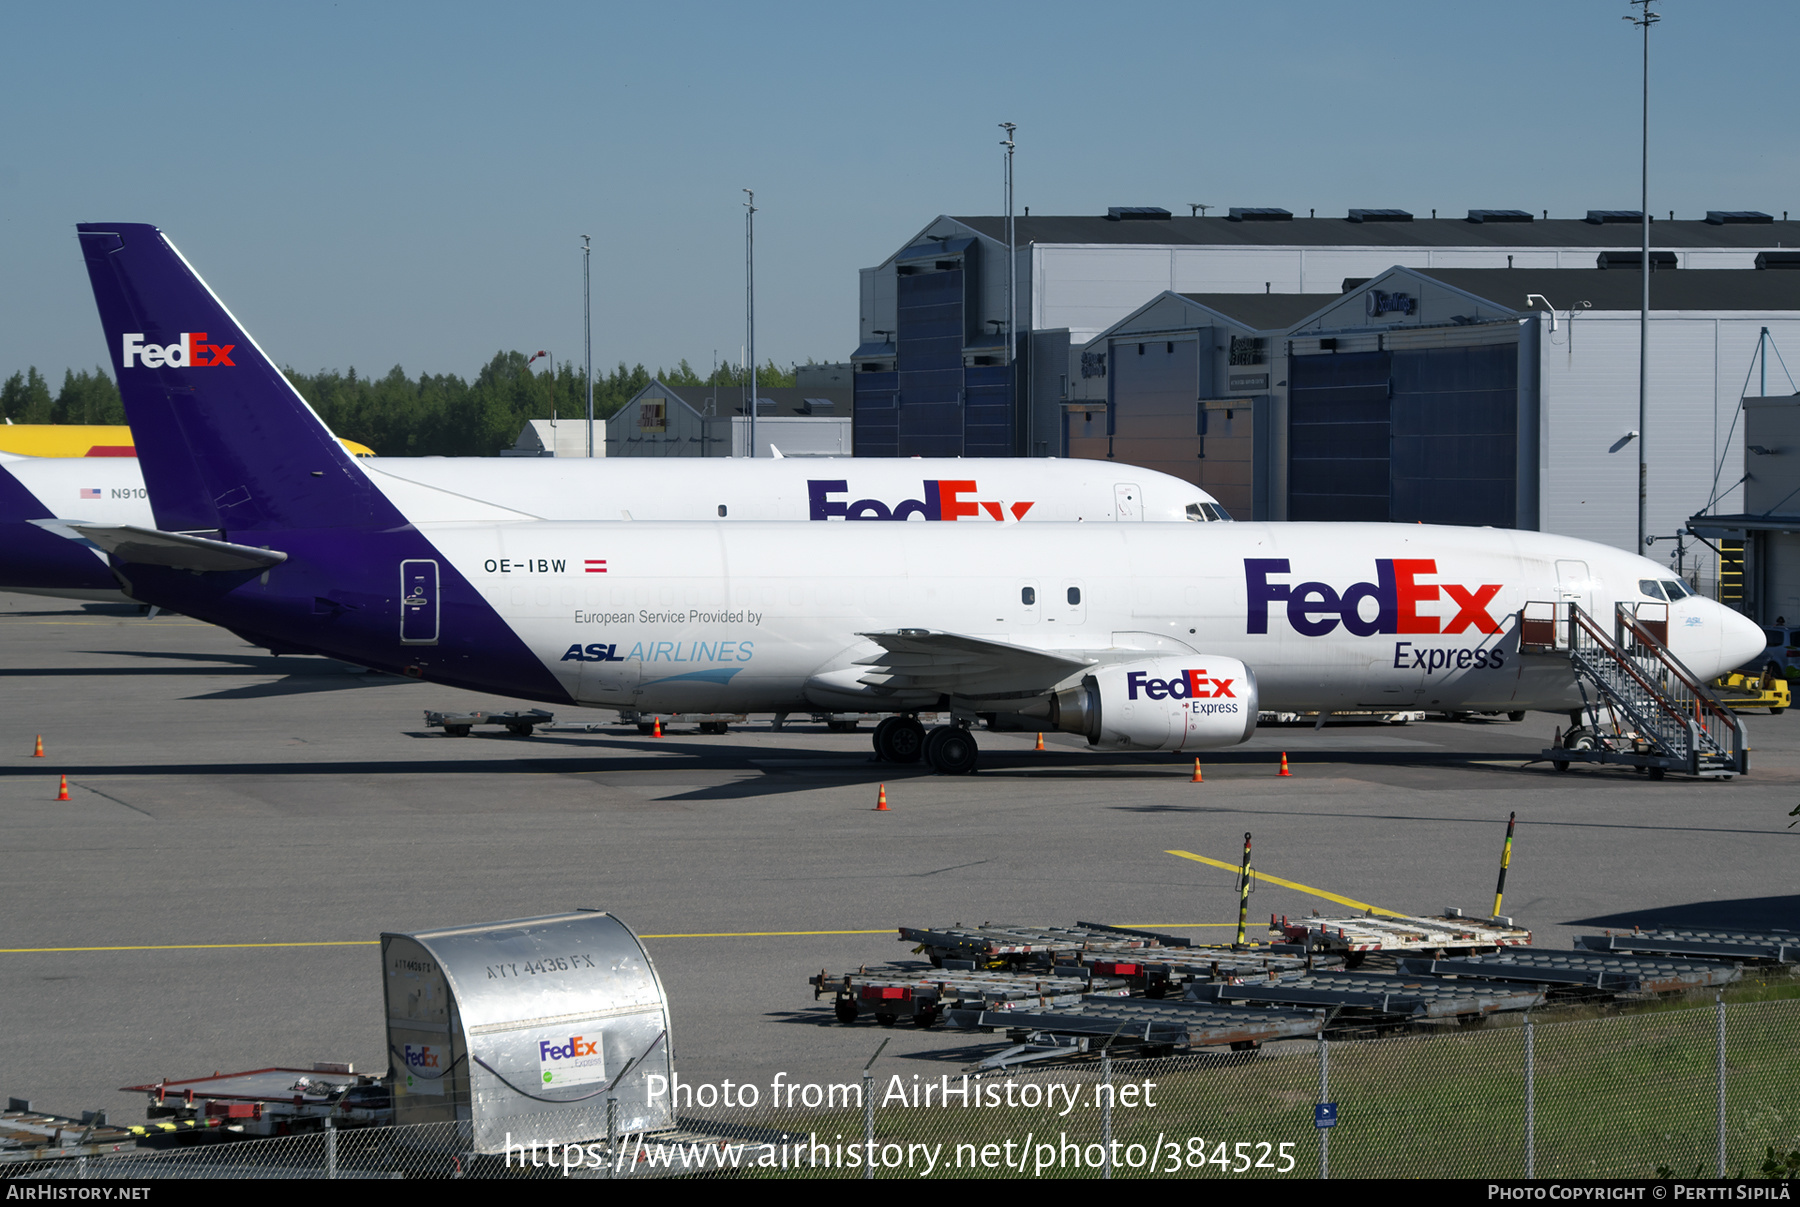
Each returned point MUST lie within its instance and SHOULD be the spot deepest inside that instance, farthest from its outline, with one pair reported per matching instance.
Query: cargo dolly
(1581, 972)
(29, 1135)
(1162, 977)
(993, 944)
(1156, 1028)
(890, 994)
(1757, 947)
(1379, 995)
(458, 724)
(273, 1101)
(1358, 935)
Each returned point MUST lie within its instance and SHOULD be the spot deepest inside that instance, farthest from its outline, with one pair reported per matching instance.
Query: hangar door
(1338, 436)
(1427, 434)
(1455, 427)
(1153, 386)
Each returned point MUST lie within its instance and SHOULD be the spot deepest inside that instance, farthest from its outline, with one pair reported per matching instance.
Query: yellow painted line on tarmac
(1301, 888)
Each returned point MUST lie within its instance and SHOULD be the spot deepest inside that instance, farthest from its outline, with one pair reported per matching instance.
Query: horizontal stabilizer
(178, 551)
(924, 659)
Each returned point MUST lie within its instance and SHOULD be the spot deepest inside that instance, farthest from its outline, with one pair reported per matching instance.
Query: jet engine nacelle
(1190, 702)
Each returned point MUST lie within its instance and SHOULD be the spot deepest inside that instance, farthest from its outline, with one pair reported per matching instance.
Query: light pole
(750, 302)
(587, 334)
(1644, 20)
(1012, 282)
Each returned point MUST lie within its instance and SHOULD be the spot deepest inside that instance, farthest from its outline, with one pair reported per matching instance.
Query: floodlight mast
(1012, 279)
(587, 326)
(1644, 20)
(750, 302)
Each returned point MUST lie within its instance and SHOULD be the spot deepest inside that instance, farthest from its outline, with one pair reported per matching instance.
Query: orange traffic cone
(881, 801)
(1284, 767)
(1040, 744)
(656, 728)
(62, 793)
(1198, 778)
(39, 752)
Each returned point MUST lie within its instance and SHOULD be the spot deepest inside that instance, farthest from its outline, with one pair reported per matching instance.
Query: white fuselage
(752, 616)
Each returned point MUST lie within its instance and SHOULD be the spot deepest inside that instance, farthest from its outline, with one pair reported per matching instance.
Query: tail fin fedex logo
(191, 351)
(943, 501)
(1315, 609)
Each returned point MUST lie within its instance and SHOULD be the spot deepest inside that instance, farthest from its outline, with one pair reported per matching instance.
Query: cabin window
(1074, 596)
(1027, 595)
(721, 511)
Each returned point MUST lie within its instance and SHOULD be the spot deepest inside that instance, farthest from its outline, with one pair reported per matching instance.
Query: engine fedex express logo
(942, 501)
(1315, 609)
(191, 351)
(1193, 686)
(570, 1060)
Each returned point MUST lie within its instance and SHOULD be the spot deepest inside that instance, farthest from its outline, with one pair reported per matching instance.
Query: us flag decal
(87, 493)
(596, 565)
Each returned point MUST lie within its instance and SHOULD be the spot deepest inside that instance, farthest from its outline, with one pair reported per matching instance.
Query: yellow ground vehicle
(1742, 692)
(90, 440)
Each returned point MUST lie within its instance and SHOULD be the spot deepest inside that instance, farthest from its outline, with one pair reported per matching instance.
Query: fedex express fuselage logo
(1389, 605)
(191, 351)
(942, 501)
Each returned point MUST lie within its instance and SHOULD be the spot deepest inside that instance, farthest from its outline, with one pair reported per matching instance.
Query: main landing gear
(950, 749)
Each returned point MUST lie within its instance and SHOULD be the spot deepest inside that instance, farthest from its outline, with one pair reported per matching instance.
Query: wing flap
(929, 660)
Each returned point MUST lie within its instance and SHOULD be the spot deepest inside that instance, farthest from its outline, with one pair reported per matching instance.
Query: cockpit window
(1206, 513)
(1219, 513)
(1676, 589)
(1647, 586)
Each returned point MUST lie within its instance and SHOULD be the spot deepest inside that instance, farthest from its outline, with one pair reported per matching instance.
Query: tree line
(401, 416)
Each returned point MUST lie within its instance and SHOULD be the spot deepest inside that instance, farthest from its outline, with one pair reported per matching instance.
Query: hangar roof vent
(1602, 217)
(1137, 213)
(1634, 258)
(1737, 217)
(1778, 259)
(1240, 213)
(1499, 215)
(1380, 216)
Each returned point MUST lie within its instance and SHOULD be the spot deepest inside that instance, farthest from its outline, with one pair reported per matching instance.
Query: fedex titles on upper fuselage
(1315, 609)
(942, 501)
(191, 351)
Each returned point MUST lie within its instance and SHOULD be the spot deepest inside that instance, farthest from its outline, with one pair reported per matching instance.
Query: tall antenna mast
(587, 326)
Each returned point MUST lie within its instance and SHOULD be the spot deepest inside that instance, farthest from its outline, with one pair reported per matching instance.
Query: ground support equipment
(1581, 972)
(1380, 995)
(890, 995)
(1359, 934)
(1755, 947)
(1155, 1028)
(458, 724)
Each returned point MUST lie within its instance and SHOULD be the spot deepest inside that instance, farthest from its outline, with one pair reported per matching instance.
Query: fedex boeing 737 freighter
(1139, 636)
(111, 491)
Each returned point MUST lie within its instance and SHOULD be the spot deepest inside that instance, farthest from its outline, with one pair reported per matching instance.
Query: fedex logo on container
(571, 1061)
(1192, 685)
(422, 1056)
(191, 351)
(577, 1046)
(943, 501)
(1315, 608)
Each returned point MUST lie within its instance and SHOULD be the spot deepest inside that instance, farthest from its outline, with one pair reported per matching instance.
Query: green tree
(25, 398)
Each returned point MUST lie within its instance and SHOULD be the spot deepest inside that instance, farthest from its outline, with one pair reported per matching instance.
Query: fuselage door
(418, 602)
(1574, 585)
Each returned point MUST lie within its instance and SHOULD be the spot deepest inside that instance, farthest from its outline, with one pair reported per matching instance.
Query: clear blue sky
(380, 184)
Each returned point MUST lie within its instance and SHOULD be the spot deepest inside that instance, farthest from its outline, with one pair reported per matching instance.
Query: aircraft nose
(1740, 639)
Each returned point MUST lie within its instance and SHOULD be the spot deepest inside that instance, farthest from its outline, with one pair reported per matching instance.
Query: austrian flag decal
(595, 565)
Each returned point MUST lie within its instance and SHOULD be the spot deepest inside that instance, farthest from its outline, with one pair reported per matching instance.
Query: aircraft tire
(951, 750)
(899, 740)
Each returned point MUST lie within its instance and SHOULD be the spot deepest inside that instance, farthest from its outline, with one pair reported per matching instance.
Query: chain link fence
(1700, 1089)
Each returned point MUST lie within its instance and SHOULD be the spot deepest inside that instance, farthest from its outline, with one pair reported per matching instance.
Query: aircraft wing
(929, 660)
(149, 547)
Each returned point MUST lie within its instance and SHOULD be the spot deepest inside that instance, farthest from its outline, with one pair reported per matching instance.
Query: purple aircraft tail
(206, 405)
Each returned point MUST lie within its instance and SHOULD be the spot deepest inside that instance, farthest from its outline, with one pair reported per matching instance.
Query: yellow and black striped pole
(1505, 862)
(1244, 890)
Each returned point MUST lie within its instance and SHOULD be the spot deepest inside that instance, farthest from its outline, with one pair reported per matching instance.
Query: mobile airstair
(1640, 706)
